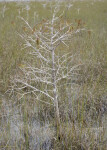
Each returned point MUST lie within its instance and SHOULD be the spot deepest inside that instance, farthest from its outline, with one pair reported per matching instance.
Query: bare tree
(45, 71)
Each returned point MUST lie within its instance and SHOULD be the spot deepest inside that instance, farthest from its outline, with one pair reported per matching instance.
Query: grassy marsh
(29, 124)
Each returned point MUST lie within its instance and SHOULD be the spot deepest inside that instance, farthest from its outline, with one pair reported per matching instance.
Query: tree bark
(57, 115)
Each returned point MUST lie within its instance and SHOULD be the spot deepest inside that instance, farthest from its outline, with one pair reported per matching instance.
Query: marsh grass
(29, 124)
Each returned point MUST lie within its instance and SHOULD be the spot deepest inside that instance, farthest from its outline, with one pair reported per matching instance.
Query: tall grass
(29, 124)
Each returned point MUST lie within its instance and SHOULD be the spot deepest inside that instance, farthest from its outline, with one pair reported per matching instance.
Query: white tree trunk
(55, 91)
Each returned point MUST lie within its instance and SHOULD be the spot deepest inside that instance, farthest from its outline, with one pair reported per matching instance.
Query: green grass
(83, 109)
